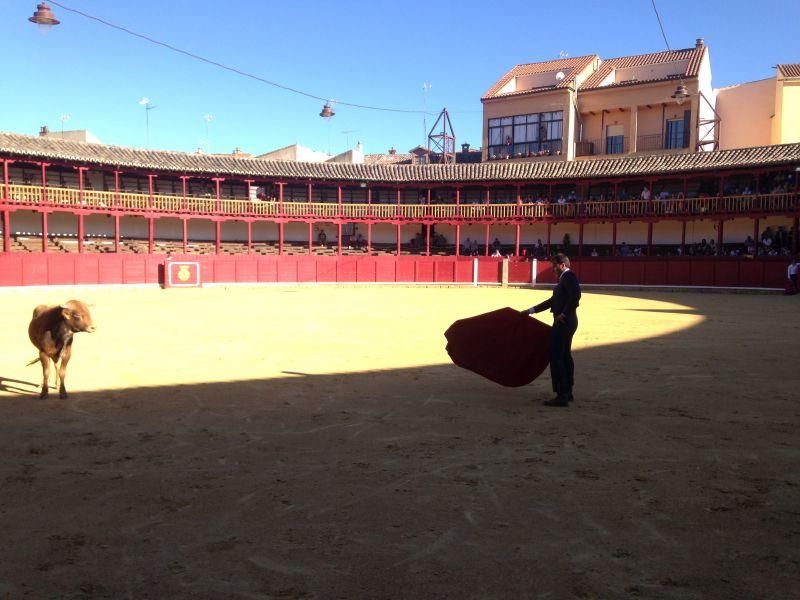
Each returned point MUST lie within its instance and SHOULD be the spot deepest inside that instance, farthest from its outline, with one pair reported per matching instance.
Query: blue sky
(376, 53)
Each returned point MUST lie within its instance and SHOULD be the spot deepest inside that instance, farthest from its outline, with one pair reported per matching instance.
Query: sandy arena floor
(316, 442)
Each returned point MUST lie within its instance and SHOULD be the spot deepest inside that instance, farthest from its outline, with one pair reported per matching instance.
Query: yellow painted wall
(788, 109)
(746, 112)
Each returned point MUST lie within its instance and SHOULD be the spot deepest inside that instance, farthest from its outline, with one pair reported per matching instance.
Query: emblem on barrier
(183, 273)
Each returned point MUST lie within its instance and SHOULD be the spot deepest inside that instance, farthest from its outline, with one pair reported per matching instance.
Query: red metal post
(486, 247)
(218, 235)
(339, 234)
(250, 183)
(369, 207)
(280, 239)
(150, 227)
(280, 196)
(339, 199)
(369, 239)
(310, 238)
(398, 214)
(80, 233)
(309, 198)
(249, 235)
(458, 233)
(116, 234)
(720, 226)
(516, 241)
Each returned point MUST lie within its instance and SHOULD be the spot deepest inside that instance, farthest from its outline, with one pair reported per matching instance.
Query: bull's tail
(33, 362)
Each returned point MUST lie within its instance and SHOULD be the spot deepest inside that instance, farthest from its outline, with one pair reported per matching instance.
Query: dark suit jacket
(566, 296)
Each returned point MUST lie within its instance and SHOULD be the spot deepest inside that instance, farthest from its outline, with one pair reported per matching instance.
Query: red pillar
(580, 240)
(309, 198)
(280, 197)
(150, 228)
(398, 232)
(280, 239)
(44, 181)
(650, 237)
(185, 235)
(486, 246)
(720, 229)
(428, 239)
(44, 231)
(516, 241)
(116, 234)
(458, 234)
(755, 236)
(116, 189)
(398, 214)
(6, 181)
(339, 199)
(150, 191)
(310, 238)
(184, 179)
(7, 233)
(81, 187)
(80, 233)
(339, 237)
(683, 238)
(249, 183)
(218, 235)
(369, 208)
(249, 236)
(218, 181)
(369, 239)
(614, 238)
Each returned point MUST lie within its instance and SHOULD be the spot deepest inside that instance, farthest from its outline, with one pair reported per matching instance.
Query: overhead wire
(233, 69)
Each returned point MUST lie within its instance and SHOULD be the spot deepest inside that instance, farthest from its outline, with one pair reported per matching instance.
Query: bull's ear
(65, 312)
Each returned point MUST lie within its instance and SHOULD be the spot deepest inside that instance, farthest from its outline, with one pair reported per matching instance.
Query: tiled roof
(110, 157)
(570, 67)
(693, 55)
(789, 70)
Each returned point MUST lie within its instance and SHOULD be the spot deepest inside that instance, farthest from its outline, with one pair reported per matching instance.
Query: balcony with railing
(36, 197)
(621, 145)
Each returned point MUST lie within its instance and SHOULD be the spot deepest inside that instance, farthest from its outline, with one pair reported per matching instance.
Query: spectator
(496, 253)
(594, 252)
(496, 244)
(791, 273)
(322, 237)
(645, 195)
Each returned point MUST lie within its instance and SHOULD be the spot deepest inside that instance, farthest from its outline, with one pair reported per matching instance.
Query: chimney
(465, 148)
(699, 43)
(392, 151)
(44, 130)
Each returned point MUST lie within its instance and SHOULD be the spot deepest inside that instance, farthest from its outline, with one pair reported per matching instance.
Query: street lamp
(681, 94)
(44, 17)
(148, 106)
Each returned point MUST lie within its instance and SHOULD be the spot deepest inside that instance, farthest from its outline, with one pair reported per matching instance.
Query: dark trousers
(794, 280)
(562, 368)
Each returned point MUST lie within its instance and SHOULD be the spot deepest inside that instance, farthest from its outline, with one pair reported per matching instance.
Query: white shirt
(792, 270)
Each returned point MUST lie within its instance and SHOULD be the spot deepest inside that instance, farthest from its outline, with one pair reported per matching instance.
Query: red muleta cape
(504, 346)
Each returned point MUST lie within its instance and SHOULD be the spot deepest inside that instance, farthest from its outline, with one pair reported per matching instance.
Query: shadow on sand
(674, 475)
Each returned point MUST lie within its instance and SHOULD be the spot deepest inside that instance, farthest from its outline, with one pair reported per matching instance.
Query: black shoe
(557, 401)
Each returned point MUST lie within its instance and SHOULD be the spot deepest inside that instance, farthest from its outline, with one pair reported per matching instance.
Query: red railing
(139, 203)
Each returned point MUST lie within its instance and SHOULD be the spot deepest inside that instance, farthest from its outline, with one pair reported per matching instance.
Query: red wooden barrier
(22, 269)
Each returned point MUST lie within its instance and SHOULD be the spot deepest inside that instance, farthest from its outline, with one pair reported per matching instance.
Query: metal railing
(129, 202)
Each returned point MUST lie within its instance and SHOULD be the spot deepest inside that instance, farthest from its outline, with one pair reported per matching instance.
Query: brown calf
(51, 331)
